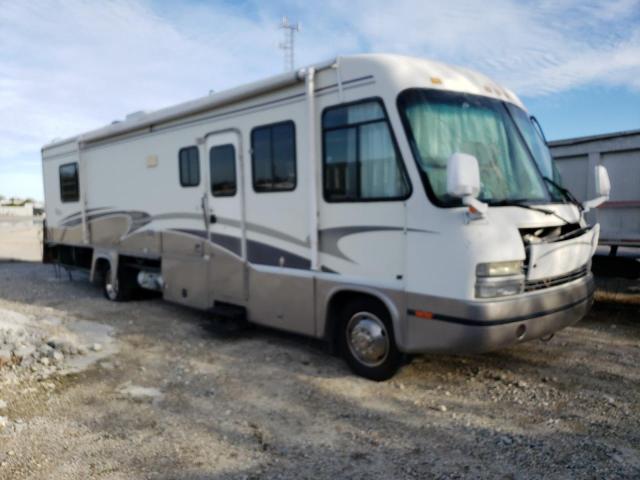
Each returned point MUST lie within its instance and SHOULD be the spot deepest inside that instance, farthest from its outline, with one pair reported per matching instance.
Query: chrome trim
(532, 285)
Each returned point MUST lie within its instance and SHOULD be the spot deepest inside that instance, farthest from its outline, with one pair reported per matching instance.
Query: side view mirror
(463, 181)
(603, 188)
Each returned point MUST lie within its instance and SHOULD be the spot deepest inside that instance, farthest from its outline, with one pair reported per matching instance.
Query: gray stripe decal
(195, 233)
(77, 214)
(329, 237)
(257, 252)
(253, 227)
(227, 242)
(178, 215)
(277, 234)
(137, 219)
(264, 254)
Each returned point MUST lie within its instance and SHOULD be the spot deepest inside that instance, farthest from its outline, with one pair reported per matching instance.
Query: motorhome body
(317, 202)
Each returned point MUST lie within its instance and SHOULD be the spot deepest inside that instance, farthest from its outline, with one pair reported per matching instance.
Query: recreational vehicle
(388, 204)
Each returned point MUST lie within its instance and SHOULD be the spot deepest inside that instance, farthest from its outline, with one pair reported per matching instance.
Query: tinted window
(69, 186)
(361, 161)
(274, 157)
(222, 165)
(189, 160)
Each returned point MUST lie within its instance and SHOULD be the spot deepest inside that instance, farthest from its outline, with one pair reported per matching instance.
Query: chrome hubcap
(110, 287)
(367, 339)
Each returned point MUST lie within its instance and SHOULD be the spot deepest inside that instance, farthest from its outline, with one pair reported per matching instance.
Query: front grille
(531, 285)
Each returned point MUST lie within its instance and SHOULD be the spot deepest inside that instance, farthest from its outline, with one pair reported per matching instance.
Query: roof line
(590, 138)
(191, 107)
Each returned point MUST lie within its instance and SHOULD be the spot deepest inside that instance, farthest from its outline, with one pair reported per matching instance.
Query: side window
(222, 167)
(69, 185)
(360, 158)
(273, 157)
(189, 162)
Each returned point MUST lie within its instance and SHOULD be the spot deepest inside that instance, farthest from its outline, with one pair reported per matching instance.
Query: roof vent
(136, 115)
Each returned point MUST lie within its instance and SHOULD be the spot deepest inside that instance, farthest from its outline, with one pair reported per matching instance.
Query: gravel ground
(176, 402)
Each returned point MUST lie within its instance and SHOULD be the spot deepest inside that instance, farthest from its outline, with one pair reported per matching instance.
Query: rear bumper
(480, 326)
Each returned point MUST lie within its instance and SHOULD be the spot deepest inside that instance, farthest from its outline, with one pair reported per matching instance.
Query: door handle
(212, 218)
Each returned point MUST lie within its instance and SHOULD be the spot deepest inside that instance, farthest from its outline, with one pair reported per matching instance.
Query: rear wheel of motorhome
(367, 341)
(116, 288)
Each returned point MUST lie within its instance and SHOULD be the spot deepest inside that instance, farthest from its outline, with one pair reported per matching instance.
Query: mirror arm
(594, 203)
(477, 209)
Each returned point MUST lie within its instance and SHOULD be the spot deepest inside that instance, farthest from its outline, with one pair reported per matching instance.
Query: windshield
(537, 146)
(440, 123)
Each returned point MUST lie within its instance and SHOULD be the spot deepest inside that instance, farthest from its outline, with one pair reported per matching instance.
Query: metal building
(576, 158)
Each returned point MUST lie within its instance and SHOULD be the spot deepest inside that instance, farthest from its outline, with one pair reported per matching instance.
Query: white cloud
(533, 47)
(69, 66)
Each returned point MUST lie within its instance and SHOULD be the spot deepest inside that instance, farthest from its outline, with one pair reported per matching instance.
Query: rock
(141, 394)
(57, 356)
(505, 440)
(106, 365)
(3, 405)
(44, 349)
(96, 347)
(4, 421)
(5, 356)
(24, 351)
(63, 345)
(44, 361)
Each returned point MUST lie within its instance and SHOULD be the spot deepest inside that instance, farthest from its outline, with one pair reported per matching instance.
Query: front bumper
(479, 326)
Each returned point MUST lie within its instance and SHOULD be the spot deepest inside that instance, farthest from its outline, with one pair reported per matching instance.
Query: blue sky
(69, 66)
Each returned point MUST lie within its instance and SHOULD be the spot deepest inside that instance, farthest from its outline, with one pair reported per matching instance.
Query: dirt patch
(176, 402)
(20, 239)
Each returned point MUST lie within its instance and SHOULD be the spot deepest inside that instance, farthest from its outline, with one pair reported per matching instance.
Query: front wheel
(367, 341)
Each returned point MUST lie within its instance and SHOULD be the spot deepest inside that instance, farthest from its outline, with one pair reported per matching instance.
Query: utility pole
(288, 45)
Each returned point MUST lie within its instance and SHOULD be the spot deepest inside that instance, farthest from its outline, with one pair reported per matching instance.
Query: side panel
(282, 298)
(185, 269)
(620, 217)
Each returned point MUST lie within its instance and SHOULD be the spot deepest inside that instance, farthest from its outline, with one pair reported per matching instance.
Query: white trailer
(620, 153)
(390, 205)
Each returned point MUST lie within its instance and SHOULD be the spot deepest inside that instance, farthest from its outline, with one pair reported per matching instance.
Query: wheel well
(336, 304)
(102, 265)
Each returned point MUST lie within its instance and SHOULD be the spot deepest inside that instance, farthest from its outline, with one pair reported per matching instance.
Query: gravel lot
(171, 401)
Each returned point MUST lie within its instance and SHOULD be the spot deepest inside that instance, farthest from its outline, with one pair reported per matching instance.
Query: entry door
(185, 263)
(227, 270)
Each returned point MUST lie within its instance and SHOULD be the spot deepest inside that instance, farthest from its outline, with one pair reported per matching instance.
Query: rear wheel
(367, 341)
(116, 288)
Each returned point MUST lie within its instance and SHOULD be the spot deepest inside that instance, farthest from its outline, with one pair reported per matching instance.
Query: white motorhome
(391, 205)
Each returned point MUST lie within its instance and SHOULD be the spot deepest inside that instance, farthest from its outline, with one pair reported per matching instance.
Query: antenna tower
(288, 45)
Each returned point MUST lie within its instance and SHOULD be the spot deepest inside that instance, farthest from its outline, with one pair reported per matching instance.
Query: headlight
(499, 287)
(499, 279)
(499, 269)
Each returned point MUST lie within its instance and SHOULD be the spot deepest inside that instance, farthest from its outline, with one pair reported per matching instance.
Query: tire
(119, 290)
(366, 340)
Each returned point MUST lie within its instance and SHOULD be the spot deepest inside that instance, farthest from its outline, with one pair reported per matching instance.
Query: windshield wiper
(518, 202)
(567, 194)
